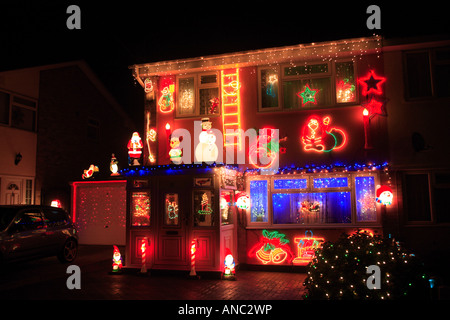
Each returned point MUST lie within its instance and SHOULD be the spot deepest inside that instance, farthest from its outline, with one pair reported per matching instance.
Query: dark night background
(115, 35)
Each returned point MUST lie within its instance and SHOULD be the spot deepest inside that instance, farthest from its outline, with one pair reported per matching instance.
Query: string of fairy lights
(355, 49)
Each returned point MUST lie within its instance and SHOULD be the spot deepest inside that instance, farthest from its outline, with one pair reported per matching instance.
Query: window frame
(197, 87)
(310, 189)
(432, 63)
(331, 74)
(280, 104)
(18, 104)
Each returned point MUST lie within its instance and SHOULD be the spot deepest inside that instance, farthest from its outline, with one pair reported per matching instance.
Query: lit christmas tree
(339, 270)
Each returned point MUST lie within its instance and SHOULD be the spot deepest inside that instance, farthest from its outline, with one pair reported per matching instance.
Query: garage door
(99, 211)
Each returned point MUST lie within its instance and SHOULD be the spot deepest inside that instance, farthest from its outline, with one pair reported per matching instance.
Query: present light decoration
(306, 247)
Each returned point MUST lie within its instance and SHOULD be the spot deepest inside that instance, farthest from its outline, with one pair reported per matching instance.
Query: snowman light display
(206, 150)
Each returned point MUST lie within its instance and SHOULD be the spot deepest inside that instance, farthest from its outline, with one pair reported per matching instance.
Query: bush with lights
(339, 270)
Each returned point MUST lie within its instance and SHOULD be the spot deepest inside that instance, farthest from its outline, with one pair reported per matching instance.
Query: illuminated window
(311, 208)
(290, 183)
(365, 198)
(312, 199)
(345, 82)
(186, 96)
(140, 208)
(258, 201)
(171, 215)
(333, 182)
(306, 85)
(226, 207)
(203, 208)
(269, 88)
(198, 95)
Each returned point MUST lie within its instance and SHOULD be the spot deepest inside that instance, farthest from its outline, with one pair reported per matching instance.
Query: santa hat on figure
(384, 195)
(117, 261)
(228, 270)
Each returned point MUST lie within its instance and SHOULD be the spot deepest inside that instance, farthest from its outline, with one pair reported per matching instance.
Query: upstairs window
(427, 73)
(198, 95)
(306, 86)
(18, 112)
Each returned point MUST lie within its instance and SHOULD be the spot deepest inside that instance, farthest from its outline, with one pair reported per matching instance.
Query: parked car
(30, 231)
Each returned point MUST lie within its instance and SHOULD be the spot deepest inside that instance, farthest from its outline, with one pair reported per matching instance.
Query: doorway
(172, 222)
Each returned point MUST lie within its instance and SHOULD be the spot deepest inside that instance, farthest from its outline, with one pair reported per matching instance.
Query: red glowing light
(56, 203)
(306, 247)
(318, 137)
(372, 83)
(272, 248)
(365, 112)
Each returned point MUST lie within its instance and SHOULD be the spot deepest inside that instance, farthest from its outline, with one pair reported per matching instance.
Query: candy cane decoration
(193, 249)
(144, 256)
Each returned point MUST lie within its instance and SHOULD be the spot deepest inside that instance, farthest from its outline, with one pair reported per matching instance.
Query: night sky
(117, 34)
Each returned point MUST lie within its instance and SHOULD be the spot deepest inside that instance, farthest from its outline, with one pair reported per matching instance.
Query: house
(56, 120)
(268, 153)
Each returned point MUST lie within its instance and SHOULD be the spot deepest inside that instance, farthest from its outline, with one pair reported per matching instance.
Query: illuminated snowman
(206, 150)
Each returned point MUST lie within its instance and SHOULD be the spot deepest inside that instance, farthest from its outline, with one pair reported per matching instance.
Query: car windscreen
(6, 216)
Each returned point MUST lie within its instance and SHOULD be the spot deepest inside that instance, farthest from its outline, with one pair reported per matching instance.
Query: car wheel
(69, 251)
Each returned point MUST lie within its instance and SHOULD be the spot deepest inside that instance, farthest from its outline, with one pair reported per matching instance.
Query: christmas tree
(339, 270)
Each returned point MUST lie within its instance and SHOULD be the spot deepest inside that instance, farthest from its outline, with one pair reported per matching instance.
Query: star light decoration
(375, 107)
(308, 95)
(372, 83)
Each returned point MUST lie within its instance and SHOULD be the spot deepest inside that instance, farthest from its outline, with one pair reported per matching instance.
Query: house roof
(84, 67)
(287, 54)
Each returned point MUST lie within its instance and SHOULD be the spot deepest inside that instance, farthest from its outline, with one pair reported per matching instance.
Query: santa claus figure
(134, 149)
(313, 133)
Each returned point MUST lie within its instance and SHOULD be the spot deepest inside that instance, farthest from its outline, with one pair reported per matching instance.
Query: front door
(172, 211)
